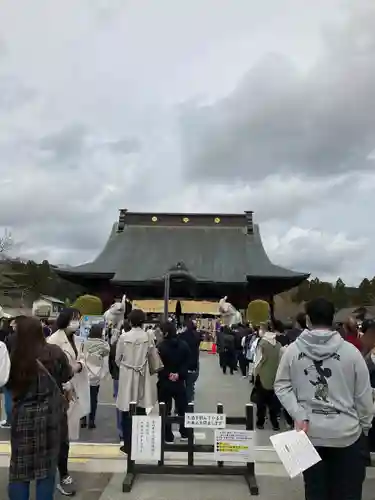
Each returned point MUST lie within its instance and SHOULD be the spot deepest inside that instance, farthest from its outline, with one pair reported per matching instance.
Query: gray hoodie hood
(319, 344)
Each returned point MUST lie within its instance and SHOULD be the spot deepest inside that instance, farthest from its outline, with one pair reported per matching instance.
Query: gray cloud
(329, 254)
(69, 145)
(124, 146)
(278, 119)
(13, 94)
(66, 145)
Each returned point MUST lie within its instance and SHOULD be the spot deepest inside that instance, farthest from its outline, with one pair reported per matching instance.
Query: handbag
(254, 396)
(155, 363)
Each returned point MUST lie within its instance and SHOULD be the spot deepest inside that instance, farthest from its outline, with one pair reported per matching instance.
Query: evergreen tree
(366, 293)
(340, 296)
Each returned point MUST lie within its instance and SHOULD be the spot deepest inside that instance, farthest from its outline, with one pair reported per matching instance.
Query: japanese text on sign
(213, 420)
(146, 438)
(234, 445)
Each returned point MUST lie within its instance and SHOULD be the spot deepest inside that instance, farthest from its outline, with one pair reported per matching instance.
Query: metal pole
(167, 284)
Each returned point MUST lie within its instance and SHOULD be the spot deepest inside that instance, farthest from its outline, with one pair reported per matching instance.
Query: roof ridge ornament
(249, 221)
(179, 266)
(122, 220)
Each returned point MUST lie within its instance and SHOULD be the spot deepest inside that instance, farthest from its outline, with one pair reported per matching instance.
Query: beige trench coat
(135, 382)
(80, 406)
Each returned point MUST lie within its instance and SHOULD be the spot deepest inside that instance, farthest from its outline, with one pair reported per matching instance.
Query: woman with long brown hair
(37, 373)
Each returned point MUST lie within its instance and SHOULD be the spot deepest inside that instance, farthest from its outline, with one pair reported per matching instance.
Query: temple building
(205, 256)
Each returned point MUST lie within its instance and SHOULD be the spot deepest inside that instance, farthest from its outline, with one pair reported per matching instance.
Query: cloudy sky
(199, 105)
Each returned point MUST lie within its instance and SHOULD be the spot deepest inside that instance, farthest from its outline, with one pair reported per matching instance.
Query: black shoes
(91, 424)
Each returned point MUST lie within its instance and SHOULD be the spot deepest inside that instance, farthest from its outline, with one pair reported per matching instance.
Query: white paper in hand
(295, 451)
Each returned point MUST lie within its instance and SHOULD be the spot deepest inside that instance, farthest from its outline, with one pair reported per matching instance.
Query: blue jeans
(8, 402)
(118, 412)
(190, 381)
(45, 489)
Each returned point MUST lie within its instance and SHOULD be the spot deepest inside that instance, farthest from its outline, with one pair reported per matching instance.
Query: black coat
(114, 370)
(239, 333)
(283, 339)
(293, 334)
(192, 339)
(220, 341)
(10, 341)
(175, 355)
(229, 342)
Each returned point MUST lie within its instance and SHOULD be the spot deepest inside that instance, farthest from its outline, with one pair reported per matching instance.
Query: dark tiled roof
(221, 254)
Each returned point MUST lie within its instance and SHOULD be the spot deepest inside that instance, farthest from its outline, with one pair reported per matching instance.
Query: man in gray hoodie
(324, 384)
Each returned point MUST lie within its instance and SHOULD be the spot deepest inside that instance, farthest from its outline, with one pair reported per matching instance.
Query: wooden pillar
(107, 296)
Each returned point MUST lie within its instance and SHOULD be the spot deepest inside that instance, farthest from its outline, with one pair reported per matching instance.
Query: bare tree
(5, 246)
(5, 243)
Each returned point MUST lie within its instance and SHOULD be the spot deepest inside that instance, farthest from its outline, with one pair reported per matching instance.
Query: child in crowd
(96, 351)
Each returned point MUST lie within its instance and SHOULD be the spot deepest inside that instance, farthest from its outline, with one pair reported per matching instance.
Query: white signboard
(213, 420)
(234, 445)
(146, 438)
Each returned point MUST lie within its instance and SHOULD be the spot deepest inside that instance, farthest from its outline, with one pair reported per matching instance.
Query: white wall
(53, 307)
(41, 303)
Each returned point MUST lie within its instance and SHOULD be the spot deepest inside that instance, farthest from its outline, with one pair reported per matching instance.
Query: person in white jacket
(4, 364)
(77, 391)
(96, 352)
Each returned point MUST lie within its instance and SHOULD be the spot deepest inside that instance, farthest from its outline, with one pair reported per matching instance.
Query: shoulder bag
(155, 363)
(64, 396)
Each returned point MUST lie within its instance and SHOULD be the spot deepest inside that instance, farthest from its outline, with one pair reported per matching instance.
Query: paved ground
(90, 486)
(106, 486)
(209, 488)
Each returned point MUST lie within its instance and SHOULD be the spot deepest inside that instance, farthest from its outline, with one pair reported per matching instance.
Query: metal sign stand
(220, 469)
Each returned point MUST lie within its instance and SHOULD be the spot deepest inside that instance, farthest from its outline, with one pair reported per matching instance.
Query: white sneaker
(66, 486)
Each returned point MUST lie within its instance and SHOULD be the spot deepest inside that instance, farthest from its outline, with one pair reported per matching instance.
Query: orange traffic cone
(213, 348)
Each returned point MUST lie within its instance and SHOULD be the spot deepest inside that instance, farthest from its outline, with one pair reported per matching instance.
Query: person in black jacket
(192, 339)
(175, 355)
(239, 332)
(299, 326)
(5, 329)
(278, 327)
(229, 354)
(114, 370)
(220, 346)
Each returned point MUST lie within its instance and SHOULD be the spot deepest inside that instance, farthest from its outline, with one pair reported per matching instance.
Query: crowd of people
(321, 378)
(317, 376)
(51, 382)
